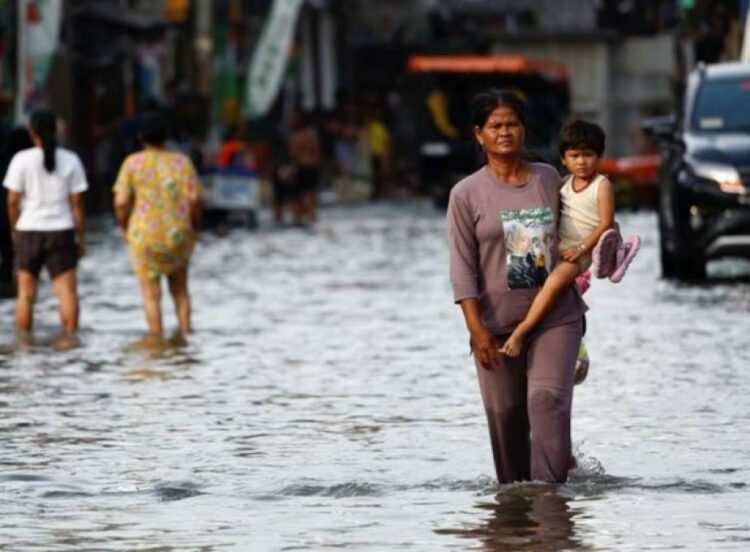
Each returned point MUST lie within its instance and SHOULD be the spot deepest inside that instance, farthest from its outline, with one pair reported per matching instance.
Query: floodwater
(327, 401)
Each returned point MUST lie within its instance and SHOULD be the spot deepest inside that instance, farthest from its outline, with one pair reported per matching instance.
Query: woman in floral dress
(157, 205)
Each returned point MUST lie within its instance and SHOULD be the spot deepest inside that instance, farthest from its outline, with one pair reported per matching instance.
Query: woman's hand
(482, 341)
(485, 348)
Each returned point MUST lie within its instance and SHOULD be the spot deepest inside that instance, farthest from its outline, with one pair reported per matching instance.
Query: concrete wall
(642, 86)
(613, 82)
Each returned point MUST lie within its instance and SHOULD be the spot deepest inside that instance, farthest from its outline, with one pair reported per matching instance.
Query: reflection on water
(326, 400)
(524, 517)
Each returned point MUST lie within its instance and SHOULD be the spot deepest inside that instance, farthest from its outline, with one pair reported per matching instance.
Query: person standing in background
(157, 206)
(47, 217)
(283, 176)
(379, 140)
(307, 155)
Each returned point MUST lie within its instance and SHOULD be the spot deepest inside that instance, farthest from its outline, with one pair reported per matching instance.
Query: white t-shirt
(45, 197)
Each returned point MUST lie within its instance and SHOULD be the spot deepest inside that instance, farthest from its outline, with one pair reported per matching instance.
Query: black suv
(704, 180)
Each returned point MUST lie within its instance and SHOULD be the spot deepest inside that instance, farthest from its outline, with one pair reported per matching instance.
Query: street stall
(230, 197)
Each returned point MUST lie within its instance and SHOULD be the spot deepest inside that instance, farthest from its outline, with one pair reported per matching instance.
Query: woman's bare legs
(562, 276)
(151, 293)
(65, 285)
(178, 288)
(27, 285)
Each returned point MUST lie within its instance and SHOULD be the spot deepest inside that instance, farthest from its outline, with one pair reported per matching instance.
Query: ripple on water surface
(326, 399)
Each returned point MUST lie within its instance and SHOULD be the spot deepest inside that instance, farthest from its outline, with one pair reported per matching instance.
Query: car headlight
(725, 176)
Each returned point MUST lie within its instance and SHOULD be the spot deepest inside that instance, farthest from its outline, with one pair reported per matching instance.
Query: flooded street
(327, 401)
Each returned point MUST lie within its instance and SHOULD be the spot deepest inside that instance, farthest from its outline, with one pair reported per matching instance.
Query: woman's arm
(79, 221)
(123, 208)
(606, 203)
(196, 214)
(124, 193)
(464, 267)
(14, 209)
(482, 341)
(193, 191)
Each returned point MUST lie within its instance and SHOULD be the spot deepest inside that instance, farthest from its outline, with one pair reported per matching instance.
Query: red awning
(487, 64)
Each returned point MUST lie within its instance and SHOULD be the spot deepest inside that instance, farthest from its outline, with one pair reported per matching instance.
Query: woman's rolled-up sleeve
(463, 249)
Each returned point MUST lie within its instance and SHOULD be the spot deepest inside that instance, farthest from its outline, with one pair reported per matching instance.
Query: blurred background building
(98, 63)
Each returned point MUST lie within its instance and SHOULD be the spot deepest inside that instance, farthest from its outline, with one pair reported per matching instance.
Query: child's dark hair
(153, 128)
(44, 125)
(483, 104)
(580, 134)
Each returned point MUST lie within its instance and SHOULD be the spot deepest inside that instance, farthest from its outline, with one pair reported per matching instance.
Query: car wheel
(666, 257)
(666, 236)
(680, 256)
(690, 266)
(688, 261)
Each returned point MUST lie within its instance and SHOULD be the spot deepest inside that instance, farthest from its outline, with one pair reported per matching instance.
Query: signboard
(270, 57)
(38, 34)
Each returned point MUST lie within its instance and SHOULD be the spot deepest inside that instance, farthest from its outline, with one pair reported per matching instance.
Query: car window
(722, 106)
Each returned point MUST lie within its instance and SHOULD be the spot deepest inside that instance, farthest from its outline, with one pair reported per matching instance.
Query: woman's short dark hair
(486, 102)
(44, 125)
(154, 128)
(580, 134)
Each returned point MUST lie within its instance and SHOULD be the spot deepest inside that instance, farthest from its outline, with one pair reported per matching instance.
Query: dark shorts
(55, 250)
(307, 179)
(284, 183)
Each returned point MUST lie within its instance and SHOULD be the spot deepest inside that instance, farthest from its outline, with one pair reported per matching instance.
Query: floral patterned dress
(160, 235)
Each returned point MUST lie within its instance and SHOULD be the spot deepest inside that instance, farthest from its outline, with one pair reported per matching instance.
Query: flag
(38, 35)
(269, 59)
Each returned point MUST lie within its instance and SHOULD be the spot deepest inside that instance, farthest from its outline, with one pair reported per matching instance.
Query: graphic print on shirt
(528, 246)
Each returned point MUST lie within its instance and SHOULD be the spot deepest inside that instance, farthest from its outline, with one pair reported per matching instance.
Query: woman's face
(502, 133)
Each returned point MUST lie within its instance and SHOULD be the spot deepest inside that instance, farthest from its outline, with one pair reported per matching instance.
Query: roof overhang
(487, 64)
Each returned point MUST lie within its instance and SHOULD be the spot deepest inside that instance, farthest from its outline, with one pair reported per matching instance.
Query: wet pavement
(326, 400)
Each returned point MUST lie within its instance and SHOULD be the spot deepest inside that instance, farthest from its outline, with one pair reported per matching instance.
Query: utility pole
(22, 7)
(745, 51)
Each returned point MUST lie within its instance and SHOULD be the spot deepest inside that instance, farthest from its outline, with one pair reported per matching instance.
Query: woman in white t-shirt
(46, 211)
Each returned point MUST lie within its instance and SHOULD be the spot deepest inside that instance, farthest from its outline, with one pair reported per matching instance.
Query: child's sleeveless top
(579, 214)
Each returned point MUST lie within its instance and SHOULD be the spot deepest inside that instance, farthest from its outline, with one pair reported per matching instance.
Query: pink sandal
(604, 256)
(583, 281)
(625, 254)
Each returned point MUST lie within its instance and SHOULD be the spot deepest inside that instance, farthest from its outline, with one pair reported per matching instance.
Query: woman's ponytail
(44, 125)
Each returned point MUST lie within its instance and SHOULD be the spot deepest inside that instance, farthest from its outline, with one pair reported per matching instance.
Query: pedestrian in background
(283, 180)
(379, 141)
(47, 216)
(306, 153)
(502, 229)
(157, 206)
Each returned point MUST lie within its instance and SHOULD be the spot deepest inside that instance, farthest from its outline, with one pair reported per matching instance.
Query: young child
(587, 221)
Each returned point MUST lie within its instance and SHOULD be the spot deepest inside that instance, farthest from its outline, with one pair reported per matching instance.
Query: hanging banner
(38, 35)
(269, 59)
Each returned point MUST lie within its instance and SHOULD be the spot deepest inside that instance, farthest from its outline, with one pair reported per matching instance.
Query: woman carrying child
(502, 231)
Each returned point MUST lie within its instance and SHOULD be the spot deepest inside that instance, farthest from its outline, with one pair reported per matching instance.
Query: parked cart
(230, 197)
